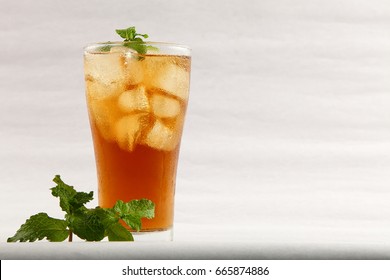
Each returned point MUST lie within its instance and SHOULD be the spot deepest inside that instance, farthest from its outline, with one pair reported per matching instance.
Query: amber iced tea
(137, 103)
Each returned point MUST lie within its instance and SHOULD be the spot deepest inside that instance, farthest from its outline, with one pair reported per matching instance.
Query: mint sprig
(89, 224)
(129, 34)
(132, 40)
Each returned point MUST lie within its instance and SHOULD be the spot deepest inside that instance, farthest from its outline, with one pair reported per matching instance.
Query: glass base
(151, 236)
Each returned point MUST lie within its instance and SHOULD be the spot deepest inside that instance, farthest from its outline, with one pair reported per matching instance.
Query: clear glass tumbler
(137, 103)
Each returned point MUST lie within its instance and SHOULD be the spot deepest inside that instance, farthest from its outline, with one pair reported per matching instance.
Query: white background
(287, 138)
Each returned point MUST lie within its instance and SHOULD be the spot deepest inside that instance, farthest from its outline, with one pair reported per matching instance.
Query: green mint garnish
(129, 34)
(105, 48)
(132, 40)
(89, 224)
(41, 226)
(132, 211)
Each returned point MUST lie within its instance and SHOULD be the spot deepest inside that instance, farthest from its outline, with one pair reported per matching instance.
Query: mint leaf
(114, 229)
(87, 224)
(129, 34)
(133, 211)
(70, 199)
(41, 226)
(138, 47)
(81, 198)
(95, 224)
(140, 208)
(105, 48)
(117, 232)
(133, 40)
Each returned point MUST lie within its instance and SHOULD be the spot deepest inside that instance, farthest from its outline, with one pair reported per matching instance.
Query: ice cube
(126, 131)
(99, 91)
(102, 117)
(164, 106)
(134, 100)
(161, 137)
(118, 49)
(133, 65)
(106, 67)
(134, 69)
(171, 78)
(105, 74)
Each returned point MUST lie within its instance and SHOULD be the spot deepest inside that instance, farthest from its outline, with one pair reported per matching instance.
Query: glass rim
(165, 45)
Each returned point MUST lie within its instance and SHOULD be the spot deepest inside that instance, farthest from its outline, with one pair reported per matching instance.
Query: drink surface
(137, 105)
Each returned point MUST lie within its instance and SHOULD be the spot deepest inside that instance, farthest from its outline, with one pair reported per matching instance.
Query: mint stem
(70, 236)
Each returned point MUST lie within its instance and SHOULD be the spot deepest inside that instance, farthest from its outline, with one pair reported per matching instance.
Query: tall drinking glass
(137, 104)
